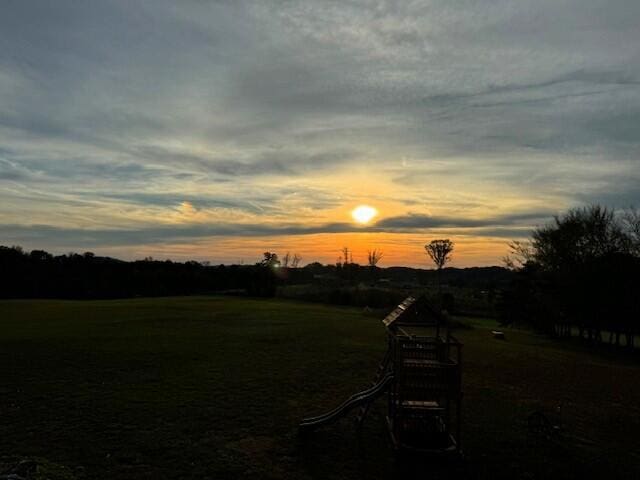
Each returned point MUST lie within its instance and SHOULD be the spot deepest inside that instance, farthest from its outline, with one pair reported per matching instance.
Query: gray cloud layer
(507, 226)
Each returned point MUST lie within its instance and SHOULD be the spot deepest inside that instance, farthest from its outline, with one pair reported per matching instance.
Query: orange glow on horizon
(400, 249)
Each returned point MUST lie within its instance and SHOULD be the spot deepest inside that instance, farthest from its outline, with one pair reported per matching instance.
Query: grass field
(213, 387)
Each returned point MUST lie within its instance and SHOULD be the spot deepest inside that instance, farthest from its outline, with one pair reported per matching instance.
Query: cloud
(419, 221)
(516, 225)
(280, 161)
(171, 199)
(12, 172)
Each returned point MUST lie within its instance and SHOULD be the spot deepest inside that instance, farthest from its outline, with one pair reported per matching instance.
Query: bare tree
(285, 260)
(296, 261)
(347, 255)
(373, 257)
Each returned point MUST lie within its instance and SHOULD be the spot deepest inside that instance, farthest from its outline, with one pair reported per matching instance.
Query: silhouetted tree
(580, 235)
(345, 266)
(373, 257)
(520, 252)
(347, 255)
(440, 252)
(40, 256)
(631, 225)
(578, 271)
(270, 260)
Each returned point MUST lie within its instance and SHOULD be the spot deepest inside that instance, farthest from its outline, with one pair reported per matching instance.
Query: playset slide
(355, 400)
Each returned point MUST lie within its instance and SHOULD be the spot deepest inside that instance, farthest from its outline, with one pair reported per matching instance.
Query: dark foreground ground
(200, 387)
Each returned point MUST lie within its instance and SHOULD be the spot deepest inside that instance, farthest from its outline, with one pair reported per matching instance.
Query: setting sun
(364, 213)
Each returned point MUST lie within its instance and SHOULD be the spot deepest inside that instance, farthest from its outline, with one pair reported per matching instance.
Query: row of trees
(271, 259)
(39, 274)
(579, 274)
(439, 251)
(346, 257)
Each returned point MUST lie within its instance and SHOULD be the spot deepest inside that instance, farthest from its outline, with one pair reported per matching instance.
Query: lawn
(213, 387)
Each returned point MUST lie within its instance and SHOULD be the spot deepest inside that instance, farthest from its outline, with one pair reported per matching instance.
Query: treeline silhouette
(579, 276)
(39, 274)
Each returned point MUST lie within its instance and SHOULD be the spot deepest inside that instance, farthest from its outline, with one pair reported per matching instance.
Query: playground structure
(421, 375)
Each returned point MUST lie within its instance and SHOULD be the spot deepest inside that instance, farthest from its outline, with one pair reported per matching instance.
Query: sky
(219, 130)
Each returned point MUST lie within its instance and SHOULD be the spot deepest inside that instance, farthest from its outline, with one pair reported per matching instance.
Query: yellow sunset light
(363, 214)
